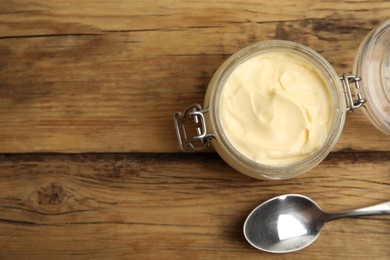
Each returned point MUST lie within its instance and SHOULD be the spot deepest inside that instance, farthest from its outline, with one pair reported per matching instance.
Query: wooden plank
(176, 206)
(97, 76)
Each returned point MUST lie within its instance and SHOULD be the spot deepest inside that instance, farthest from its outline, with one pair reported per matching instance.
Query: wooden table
(90, 166)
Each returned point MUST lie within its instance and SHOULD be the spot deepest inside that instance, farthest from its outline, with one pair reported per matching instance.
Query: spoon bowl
(292, 222)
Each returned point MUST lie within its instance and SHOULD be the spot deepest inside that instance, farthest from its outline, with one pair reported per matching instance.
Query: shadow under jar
(198, 126)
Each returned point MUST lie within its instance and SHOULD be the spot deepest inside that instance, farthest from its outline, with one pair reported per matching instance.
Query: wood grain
(103, 77)
(95, 76)
(176, 206)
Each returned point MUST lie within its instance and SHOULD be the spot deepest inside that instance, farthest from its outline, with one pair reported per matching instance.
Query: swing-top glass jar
(276, 109)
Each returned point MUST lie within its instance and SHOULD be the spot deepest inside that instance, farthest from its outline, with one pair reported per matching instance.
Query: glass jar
(373, 57)
(372, 65)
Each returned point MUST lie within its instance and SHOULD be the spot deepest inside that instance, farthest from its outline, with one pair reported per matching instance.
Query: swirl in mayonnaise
(275, 108)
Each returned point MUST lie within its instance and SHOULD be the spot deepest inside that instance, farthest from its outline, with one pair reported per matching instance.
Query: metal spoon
(292, 222)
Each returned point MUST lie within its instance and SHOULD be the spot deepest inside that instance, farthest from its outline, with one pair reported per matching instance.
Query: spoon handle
(379, 209)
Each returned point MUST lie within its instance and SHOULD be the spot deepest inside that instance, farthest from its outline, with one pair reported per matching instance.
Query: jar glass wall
(222, 143)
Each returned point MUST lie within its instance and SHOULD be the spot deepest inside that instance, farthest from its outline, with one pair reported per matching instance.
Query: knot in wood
(51, 195)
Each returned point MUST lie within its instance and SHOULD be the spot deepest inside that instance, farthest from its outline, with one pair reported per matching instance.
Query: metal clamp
(352, 103)
(194, 115)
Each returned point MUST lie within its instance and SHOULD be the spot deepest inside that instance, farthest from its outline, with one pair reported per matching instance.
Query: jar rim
(263, 171)
(372, 66)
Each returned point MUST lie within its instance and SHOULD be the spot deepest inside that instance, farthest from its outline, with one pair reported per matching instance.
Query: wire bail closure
(193, 115)
(347, 80)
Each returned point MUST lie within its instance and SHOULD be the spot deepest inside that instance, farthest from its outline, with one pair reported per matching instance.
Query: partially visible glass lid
(373, 66)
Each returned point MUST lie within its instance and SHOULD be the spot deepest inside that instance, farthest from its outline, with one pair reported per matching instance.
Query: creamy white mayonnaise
(275, 108)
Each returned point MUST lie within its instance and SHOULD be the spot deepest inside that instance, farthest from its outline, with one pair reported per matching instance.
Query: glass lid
(373, 67)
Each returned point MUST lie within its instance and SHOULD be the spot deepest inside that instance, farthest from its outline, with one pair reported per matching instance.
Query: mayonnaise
(275, 108)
